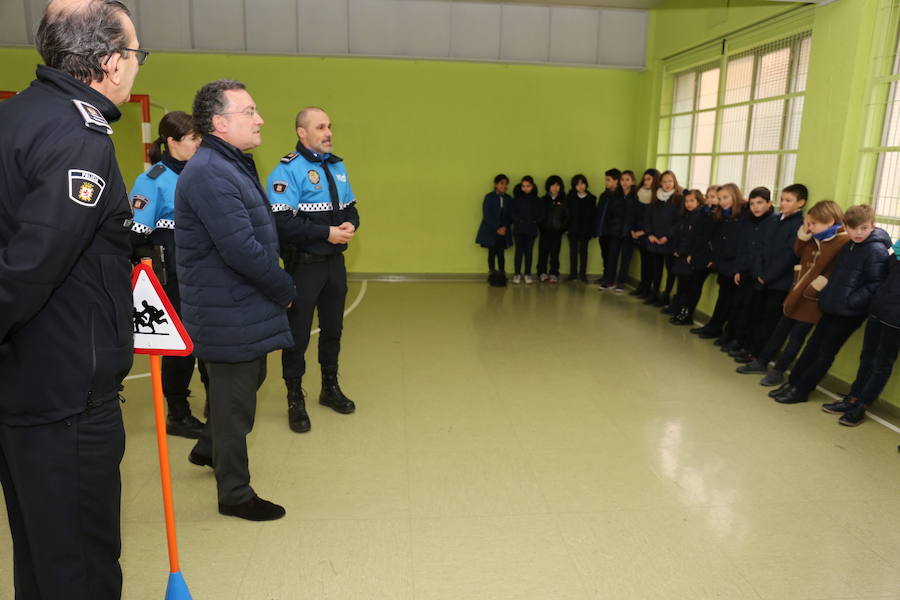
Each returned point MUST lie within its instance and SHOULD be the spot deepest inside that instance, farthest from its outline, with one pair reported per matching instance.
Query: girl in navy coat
(638, 234)
(726, 218)
(612, 227)
(527, 212)
(496, 210)
(662, 217)
(859, 270)
(881, 343)
(582, 227)
(691, 257)
(554, 223)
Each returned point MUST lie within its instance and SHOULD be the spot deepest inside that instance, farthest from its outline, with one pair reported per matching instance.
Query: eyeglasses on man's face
(250, 112)
(139, 53)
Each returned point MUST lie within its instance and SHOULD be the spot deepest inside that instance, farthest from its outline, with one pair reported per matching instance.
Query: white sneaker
(544, 277)
(554, 279)
(517, 279)
(528, 280)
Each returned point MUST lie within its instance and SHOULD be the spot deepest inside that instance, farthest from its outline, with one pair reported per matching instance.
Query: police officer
(153, 234)
(65, 304)
(315, 211)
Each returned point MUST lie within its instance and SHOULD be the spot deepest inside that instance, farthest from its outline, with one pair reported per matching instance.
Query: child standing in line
(881, 343)
(818, 243)
(859, 270)
(644, 194)
(662, 217)
(727, 218)
(492, 233)
(612, 227)
(582, 212)
(632, 208)
(554, 223)
(527, 212)
(712, 198)
(691, 257)
(752, 234)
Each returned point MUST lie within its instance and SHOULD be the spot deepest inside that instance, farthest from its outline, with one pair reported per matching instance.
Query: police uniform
(66, 338)
(309, 193)
(153, 202)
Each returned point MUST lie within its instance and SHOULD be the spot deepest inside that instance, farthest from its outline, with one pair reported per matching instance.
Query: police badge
(313, 176)
(85, 187)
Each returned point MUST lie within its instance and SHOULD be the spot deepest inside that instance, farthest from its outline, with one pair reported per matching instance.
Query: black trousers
(578, 256)
(795, 333)
(612, 249)
(826, 341)
(524, 251)
(548, 252)
(497, 254)
(881, 343)
(626, 255)
(232, 412)
(177, 371)
(690, 288)
(739, 319)
(657, 263)
(646, 276)
(725, 298)
(321, 287)
(63, 492)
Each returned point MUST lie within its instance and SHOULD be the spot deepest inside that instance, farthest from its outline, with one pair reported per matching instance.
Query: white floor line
(350, 309)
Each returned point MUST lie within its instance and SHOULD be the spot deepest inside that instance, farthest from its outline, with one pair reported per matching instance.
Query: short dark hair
(797, 189)
(580, 177)
(760, 192)
(78, 41)
(558, 181)
(500, 177)
(614, 173)
(210, 101)
(176, 125)
(859, 214)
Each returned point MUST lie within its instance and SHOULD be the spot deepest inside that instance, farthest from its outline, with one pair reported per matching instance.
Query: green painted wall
(422, 139)
(834, 112)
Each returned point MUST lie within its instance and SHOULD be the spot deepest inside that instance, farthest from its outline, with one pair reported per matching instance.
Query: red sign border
(176, 320)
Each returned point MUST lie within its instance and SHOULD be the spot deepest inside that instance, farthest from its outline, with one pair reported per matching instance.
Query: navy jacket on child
(556, 214)
(859, 271)
(886, 302)
(582, 212)
(752, 234)
(695, 228)
(497, 212)
(527, 213)
(725, 245)
(661, 221)
(612, 214)
(778, 258)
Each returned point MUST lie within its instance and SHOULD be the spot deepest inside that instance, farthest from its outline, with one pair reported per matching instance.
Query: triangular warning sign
(157, 328)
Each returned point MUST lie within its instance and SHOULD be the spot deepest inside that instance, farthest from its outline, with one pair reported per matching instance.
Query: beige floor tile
(501, 558)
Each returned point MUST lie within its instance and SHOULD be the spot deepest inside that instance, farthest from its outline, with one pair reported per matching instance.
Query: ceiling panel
(323, 27)
(525, 33)
(622, 39)
(14, 26)
(218, 24)
(272, 26)
(474, 30)
(164, 24)
(573, 35)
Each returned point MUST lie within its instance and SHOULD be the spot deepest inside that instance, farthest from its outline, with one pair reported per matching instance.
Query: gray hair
(76, 41)
(210, 101)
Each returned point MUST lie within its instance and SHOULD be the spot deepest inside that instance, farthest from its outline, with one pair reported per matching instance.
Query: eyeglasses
(139, 53)
(250, 111)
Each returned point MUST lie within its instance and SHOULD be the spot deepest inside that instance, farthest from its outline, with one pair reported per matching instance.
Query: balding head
(77, 36)
(303, 115)
(314, 129)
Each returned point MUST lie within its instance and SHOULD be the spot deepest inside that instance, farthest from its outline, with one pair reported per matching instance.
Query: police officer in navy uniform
(315, 210)
(65, 304)
(153, 235)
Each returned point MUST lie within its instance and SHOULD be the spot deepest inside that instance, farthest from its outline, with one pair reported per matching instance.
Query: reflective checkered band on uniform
(281, 208)
(138, 228)
(166, 224)
(315, 207)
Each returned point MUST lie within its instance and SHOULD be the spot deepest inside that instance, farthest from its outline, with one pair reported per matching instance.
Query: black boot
(331, 395)
(298, 419)
(180, 421)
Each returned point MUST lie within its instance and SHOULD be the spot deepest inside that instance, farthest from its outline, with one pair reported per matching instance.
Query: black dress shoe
(779, 390)
(199, 459)
(698, 330)
(708, 335)
(254, 509)
(651, 300)
(791, 396)
(187, 426)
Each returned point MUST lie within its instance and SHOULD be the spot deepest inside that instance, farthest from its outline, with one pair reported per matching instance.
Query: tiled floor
(526, 443)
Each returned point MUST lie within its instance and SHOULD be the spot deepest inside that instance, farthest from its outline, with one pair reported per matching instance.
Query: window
(879, 172)
(743, 127)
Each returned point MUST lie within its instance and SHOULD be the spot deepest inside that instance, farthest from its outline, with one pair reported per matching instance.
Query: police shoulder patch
(156, 171)
(138, 202)
(85, 187)
(289, 157)
(280, 186)
(93, 118)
